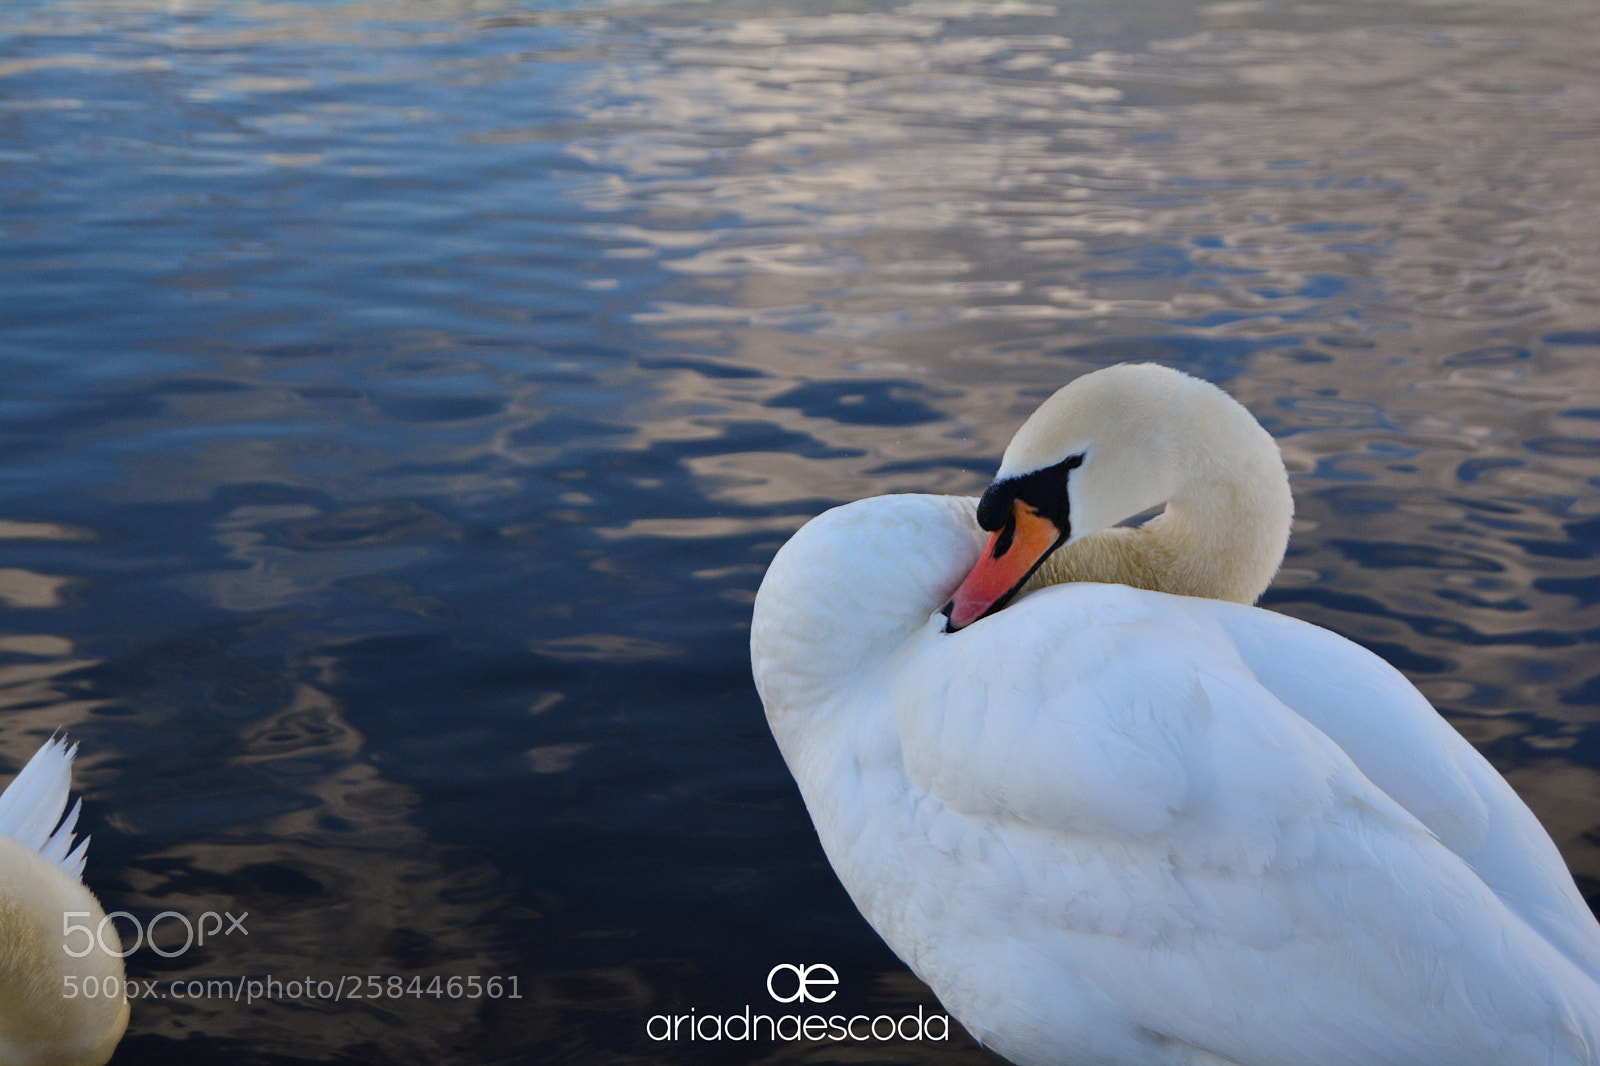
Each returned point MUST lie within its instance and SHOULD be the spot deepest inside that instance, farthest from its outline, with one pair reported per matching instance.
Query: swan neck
(1222, 534)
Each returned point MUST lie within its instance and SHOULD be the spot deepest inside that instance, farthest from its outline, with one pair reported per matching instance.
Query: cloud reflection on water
(1309, 173)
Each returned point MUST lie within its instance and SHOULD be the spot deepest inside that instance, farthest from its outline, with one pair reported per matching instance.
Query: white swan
(41, 1022)
(1112, 825)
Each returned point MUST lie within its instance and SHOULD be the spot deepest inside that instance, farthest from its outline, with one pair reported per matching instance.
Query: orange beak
(1013, 553)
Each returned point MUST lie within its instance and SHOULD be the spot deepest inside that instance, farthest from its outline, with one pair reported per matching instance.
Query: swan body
(1111, 824)
(41, 1023)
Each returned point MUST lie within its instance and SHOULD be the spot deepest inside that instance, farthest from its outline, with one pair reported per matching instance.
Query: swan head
(1114, 444)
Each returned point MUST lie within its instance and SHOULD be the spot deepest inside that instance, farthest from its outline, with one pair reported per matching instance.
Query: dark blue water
(402, 401)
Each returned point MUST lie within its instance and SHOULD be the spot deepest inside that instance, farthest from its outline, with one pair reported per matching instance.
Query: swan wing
(1167, 830)
(1409, 751)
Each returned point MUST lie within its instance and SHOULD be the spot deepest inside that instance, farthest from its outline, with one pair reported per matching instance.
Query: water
(402, 401)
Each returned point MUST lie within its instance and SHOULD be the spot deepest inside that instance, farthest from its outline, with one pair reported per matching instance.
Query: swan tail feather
(33, 804)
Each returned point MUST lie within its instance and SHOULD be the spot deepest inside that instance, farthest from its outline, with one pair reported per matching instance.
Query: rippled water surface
(402, 402)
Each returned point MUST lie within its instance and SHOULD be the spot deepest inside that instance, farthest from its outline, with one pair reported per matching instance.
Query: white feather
(32, 804)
